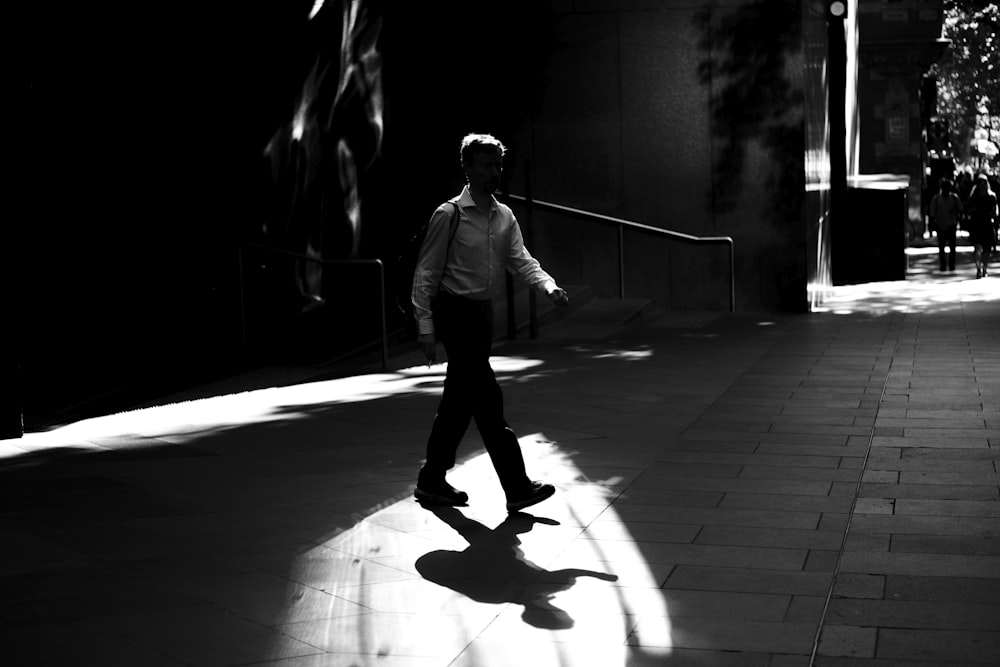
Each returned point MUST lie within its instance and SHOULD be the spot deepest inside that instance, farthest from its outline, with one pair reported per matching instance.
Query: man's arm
(527, 267)
(427, 279)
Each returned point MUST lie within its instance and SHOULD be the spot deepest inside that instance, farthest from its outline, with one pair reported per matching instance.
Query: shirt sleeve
(430, 268)
(521, 263)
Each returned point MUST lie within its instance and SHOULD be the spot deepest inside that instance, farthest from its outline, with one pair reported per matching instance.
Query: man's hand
(428, 345)
(559, 297)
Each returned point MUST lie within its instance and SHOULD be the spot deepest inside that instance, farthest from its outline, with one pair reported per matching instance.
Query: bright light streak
(188, 420)
(619, 354)
(384, 606)
(317, 6)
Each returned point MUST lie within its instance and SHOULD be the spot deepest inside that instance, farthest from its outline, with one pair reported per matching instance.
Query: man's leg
(942, 260)
(454, 410)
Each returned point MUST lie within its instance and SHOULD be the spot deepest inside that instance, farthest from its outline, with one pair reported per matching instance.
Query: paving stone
(951, 478)
(722, 605)
(820, 429)
(935, 615)
(831, 521)
(874, 506)
(806, 609)
(793, 473)
(914, 441)
(695, 483)
(821, 561)
(880, 477)
(846, 640)
(920, 564)
(858, 451)
(942, 588)
(674, 468)
(986, 456)
(785, 502)
(925, 525)
(750, 636)
(748, 580)
(941, 646)
(936, 491)
(813, 438)
(618, 551)
(885, 453)
(958, 420)
(859, 586)
(932, 466)
(838, 418)
(851, 463)
(965, 508)
(803, 459)
(947, 544)
(853, 411)
(641, 531)
(769, 537)
(669, 497)
(875, 542)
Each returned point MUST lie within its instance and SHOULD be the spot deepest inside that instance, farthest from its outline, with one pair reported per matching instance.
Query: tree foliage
(969, 74)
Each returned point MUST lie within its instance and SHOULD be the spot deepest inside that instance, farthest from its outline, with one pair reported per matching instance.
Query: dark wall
(149, 157)
(687, 116)
(142, 133)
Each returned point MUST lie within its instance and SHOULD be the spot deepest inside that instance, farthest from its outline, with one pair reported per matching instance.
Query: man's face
(484, 172)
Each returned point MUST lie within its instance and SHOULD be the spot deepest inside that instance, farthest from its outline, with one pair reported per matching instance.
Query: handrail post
(299, 256)
(621, 261)
(243, 298)
(732, 276)
(385, 330)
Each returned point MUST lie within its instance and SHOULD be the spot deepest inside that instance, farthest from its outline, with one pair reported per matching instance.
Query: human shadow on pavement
(493, 569)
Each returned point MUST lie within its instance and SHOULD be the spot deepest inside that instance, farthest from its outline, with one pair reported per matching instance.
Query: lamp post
(836, 15)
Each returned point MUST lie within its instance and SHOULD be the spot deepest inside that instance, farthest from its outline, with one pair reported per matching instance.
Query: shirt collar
(465, 200)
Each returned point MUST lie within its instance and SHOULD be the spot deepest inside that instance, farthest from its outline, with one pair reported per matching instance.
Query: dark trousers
(946, 237)
(465, 327)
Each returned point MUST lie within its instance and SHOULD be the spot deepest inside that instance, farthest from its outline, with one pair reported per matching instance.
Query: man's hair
(480, 143)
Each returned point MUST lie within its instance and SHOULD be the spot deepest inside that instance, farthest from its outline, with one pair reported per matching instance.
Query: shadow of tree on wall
(746, 53)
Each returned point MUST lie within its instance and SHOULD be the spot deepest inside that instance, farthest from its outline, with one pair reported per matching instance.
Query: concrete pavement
(733, 490)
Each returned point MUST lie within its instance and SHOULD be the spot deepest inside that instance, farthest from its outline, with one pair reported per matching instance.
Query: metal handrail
(623, 224)
(296, 255)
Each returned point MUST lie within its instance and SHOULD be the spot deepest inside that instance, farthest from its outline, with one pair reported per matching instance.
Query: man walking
(461, 268)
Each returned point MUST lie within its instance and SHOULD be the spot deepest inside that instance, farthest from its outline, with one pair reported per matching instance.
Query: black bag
(405, 266)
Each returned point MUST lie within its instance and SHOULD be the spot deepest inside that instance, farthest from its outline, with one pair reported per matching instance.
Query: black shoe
(440, 493)
(537, 492)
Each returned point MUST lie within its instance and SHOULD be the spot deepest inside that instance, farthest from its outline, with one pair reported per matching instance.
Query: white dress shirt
(483, 248)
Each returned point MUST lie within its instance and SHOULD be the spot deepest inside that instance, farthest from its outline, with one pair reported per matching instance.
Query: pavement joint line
(850, 517)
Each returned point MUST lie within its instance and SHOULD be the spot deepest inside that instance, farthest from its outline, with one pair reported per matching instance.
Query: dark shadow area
(493, 569)
(746, 52)
(758, 134)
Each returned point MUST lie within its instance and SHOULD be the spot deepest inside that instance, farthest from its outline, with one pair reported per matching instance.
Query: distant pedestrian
(982, 210)
(459, 272)
(946, 211)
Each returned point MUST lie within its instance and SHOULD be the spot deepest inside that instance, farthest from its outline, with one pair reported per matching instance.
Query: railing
(326, 262)
(628, 224)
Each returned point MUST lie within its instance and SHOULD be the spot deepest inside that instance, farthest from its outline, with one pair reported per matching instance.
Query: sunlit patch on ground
(188, 420)
(495, 585)
(926, 289)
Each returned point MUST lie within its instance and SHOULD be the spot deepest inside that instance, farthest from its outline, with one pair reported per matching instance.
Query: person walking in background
(460, 270)
(945, 212)
(982, 214)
